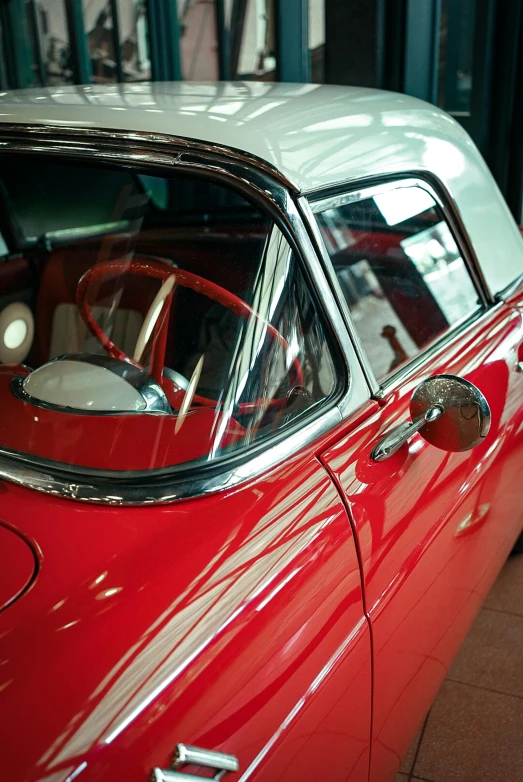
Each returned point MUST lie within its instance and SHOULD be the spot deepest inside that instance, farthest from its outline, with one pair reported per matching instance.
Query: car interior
(86, 252)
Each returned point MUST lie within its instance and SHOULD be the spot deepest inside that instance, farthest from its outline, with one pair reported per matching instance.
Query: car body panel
(433, 528)
(237, 620)
(233, 623)
(315, 136)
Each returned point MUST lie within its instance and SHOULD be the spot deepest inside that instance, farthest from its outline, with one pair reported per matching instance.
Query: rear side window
(400, 270)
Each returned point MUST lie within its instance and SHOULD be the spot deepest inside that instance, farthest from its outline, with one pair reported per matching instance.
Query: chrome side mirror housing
(448, 411)
(465, 419)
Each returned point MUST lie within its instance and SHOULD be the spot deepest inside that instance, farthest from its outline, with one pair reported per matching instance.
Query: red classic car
(262, 427)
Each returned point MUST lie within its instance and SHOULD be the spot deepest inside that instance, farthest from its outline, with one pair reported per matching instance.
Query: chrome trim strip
(510, 289)
(91, 231)
(59, 133)
(259, 182)
(341, 302)
(360, 192)
(113, 489)
(446, 340)
(324, 294)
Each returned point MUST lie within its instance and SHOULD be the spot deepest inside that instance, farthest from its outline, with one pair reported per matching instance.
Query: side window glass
(400, 270)
(182, 296)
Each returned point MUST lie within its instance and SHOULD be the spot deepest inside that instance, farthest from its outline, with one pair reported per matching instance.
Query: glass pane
(252, 39)
(134, 46)
(317, 40)
(98, 22)
(4, 84)
(181, 323)
(198, 40)
(33, 53)
(401, 272)
(53, 36)
(456, 59)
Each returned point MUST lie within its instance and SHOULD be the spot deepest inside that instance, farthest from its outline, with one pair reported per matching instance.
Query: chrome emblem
(186, 755)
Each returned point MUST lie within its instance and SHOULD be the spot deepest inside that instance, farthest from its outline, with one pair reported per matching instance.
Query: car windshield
(148, 322)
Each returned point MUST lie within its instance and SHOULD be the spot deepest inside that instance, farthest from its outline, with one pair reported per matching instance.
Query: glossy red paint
(233, 622)
(433, 528)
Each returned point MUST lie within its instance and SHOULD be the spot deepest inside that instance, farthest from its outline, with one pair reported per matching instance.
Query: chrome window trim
(254, 179)
(341, 302)
(60, 133)
(356, 191)
(112, 489)
(446, 340)
(510, 289)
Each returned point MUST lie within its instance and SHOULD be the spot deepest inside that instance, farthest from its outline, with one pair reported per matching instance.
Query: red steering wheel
(162, 270)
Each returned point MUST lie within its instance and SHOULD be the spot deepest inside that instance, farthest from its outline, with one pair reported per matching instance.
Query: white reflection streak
(303, 700)
(190, 629)
(274, 561)
(265, 302)
(186, 662)
(166, 682)
(77, 772)
(275, 591)
(268, 107)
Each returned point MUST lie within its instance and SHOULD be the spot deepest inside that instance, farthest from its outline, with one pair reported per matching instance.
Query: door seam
(343, 499)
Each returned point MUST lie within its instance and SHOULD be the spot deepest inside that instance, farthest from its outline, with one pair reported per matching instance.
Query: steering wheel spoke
(156, 322)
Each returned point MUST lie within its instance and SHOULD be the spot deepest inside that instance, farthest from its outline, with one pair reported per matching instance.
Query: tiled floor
(474, 731)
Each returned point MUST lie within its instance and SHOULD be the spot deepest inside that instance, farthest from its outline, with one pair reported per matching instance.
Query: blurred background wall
(465, 56)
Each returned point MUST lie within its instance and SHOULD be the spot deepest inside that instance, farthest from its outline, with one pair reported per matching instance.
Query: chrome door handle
(185, 754)
(393, 441)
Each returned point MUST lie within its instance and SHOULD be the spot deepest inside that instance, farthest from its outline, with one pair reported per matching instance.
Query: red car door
(254, 643)
(433, 527)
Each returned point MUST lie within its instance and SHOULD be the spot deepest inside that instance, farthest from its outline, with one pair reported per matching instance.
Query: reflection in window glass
(134, 49)
(198, 39)
(4, 84)
(456, 56)
(317, 40)
(252, 39)
(98, 22)
(35, 73)
(235, 347)
(401, 272)
(54, 41)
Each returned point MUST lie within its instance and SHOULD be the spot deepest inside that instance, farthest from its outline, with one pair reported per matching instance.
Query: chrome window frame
(262, 184)
(352, 192)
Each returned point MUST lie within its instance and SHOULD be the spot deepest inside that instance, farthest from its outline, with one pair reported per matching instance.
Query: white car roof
(316, 136)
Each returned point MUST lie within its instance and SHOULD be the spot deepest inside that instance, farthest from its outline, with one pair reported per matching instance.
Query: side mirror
(448, 411)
